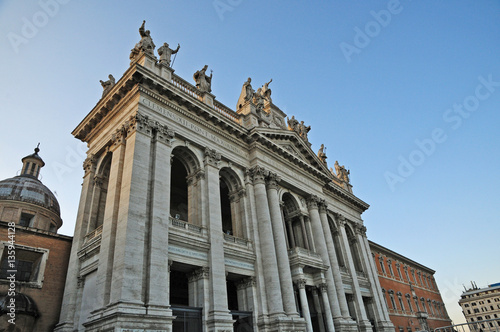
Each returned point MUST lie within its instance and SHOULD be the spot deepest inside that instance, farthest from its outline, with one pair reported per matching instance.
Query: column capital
(140, 123)
(118, 138)
(301, 283)
(323, 287)
(90, 163)
(312, 202)
(258, 174)
(272, 180)
(322, 205)
(360, 229)
(212, 157)
(341, 220)
(163, 133)
(98, 181)
(198, 274)
(246, 283)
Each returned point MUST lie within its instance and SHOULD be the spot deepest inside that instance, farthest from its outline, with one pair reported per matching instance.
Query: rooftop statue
(246, 93)
(203, 82)
(342, 172)
(321, 153)
(266, 92)
(107, 85)
(299, 128)
(145, 45)
(303, 130)
(166, 52)
(258, 100)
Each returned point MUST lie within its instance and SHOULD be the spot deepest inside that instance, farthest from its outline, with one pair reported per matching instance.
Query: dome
(30, 190)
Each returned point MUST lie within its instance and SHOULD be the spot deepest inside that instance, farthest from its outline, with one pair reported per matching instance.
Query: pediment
(294, 146)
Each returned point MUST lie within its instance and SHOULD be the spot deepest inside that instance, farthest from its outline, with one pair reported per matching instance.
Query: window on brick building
(26, 219)
(389, 263)
(408, 300)
(400, 299)
(381, 261)
(27, 264)
(398, 268)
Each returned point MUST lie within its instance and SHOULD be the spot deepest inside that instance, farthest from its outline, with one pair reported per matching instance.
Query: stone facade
(195, 217)
(410, 292)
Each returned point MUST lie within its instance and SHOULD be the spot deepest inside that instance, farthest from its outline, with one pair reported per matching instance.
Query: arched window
(231, 192)
(294, 222)
(178, 190)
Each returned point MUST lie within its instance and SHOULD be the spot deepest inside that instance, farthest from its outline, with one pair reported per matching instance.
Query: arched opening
(231, 192)
(336, 242)
(294, 223)
(225, 202)
(102, 180)
(178, 190)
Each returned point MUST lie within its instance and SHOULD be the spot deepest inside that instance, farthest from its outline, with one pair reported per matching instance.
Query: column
(312, 205)
(71, 289)
(268, 253)
(371, 271)
(106, 252)
(280, 244)
(358, 300)
(326, 304)
(158, 297)
(304, 305)
(319, 310)
(128, 274)
(290, 231)
(305, 238)
(334, 265)
(218, 313)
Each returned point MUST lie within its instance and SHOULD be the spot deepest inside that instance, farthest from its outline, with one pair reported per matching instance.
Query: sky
(405, 94)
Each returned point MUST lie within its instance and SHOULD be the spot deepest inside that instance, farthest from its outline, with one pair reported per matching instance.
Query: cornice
(343, 195)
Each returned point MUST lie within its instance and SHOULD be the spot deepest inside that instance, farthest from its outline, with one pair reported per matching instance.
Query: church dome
(30, 190)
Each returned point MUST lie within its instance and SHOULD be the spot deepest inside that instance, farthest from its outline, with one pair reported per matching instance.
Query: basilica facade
(197, 217)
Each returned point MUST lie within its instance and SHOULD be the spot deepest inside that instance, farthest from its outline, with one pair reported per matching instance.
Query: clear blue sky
(404, 95)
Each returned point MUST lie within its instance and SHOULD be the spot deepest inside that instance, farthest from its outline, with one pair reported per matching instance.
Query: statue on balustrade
(246, 93)
(145, 45)
(342, 172)
(203, 82)
(321, 153)
(166, 52)
(266, 92)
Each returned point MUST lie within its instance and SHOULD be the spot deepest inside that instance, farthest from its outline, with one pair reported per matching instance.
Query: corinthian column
(304, 304)
(280, 245)
(269, 260)
(337, 276)
(358, 300)
(319, 236)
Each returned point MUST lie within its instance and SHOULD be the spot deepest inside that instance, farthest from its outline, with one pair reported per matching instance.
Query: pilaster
(218, 313)
(71, 290)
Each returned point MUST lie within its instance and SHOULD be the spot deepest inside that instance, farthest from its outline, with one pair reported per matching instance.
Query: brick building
(30, 217)
(410, 292)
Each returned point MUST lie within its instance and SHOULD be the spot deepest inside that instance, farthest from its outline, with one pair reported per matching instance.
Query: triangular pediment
(291, 145)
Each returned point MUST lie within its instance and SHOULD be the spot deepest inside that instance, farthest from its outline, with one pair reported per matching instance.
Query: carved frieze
(89, 164)
(212, 157)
